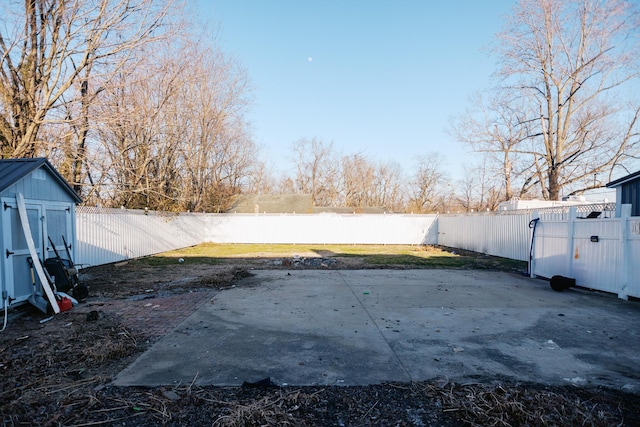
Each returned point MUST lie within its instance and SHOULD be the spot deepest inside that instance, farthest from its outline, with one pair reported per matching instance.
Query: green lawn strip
(378, 255)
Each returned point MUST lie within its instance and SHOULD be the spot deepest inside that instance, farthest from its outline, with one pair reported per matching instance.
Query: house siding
(630, 194)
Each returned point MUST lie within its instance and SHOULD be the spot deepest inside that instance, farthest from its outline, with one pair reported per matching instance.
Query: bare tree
(428, 185)
(173, 130)
(317, 171)
(363, 183)
(55, 57)
(261, 179)
(479, 190)
(232, 166)
(388, 189)
(135, 136)
(284, 185)
(564, 66)
(496, 129)
(357, 180)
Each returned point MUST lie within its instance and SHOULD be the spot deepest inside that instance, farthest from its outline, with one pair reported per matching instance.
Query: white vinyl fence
(385, 229)
(110, 235)
(504, 234)
(600, 253)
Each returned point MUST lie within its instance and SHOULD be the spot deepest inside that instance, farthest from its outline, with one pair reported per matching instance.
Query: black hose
(532, 224)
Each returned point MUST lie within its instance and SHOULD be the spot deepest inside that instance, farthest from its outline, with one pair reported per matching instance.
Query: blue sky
(381, 78)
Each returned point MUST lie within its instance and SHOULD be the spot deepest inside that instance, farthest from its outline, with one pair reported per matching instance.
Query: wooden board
(24, 219)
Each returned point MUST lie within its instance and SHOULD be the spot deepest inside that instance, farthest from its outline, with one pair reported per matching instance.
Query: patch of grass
(238, 250)
(417, 256)
(288, 250)
(417, 261)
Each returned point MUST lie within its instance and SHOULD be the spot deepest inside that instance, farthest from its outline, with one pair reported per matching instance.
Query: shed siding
(49, 202)
(39, 185)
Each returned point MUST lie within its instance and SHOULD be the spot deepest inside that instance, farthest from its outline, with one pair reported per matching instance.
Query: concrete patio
(358, 327)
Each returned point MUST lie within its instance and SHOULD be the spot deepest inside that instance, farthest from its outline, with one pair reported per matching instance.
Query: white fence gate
(600, 253)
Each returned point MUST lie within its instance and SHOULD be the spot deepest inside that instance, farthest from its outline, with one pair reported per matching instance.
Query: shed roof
(624, 180)
(13, 170)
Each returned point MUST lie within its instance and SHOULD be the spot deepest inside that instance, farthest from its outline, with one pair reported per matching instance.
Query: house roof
(13, 170)
(624, 180)
(268, 203)
(351, 210)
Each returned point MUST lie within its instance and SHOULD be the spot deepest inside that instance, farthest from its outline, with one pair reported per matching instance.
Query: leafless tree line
(335, 179)
(138, 109)
(132, 106)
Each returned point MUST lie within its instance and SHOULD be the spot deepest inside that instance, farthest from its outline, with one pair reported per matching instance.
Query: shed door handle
(8, 252)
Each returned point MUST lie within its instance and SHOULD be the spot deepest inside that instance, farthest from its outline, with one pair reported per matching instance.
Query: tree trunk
(554, 183)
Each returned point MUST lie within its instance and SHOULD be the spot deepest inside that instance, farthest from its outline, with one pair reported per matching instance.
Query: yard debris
(70, 384)
(262, 384)
(310, 262)
(576, 380)
(92, 316)
(171, 395)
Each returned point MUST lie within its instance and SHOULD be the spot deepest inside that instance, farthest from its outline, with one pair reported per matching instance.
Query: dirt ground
(56, 370)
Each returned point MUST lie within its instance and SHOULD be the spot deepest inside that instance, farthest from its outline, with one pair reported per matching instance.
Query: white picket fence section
(564, 243)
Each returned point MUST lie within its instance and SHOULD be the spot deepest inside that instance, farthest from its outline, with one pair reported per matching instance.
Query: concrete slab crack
(398, 359)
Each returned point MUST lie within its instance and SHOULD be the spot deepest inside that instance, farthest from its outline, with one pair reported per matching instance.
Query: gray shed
(49, 202)
(627, 192)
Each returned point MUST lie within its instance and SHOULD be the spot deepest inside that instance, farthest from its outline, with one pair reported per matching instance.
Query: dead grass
(276, 410)
(502, 405)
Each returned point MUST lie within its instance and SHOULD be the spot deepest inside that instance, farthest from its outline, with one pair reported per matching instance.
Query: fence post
(624, 261)
(570, 246)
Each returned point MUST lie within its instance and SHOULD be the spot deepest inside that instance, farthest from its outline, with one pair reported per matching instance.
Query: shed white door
(45, 219)
(18, 279)
(57, 223)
